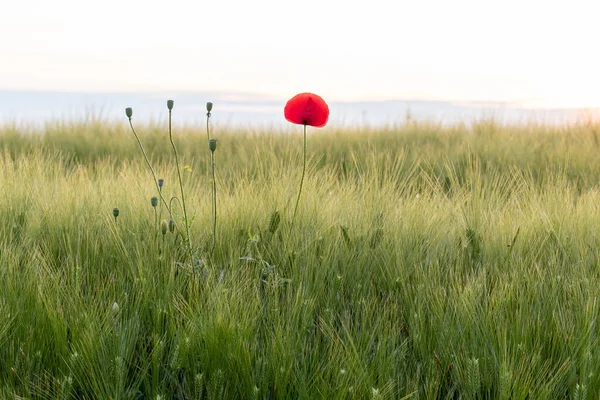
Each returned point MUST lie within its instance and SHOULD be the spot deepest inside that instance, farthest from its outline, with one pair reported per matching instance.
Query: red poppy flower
(307, 109)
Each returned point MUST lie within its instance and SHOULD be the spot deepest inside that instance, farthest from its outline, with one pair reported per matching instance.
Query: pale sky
(536, 52)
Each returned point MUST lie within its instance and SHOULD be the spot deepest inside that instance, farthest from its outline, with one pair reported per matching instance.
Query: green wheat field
(425, 262)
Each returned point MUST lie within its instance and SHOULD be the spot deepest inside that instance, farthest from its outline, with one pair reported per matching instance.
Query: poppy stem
(214, 183)
(208, 130)
(149, 167)
(185, 217)
(214, 201)
(156, 228)
(301, 182)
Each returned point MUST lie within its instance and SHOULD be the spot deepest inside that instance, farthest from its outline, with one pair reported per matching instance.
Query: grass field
(426, 262)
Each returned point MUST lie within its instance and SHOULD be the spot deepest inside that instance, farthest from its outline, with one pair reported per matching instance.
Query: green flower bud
(164, 227)
(115, 212)
(212, 145)
(154, 201)
(171, 225)
(209, 106)
(161, 182)
(128, 112)
(170, 104)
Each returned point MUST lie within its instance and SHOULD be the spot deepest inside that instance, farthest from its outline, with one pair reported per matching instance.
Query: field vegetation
(425, 262)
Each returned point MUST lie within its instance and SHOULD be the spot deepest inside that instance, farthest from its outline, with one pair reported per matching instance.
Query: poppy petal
(307, 109)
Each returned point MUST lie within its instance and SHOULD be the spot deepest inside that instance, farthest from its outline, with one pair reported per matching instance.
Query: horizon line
(247, 96)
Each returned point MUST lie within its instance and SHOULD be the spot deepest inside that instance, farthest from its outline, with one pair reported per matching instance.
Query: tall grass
(427, 262)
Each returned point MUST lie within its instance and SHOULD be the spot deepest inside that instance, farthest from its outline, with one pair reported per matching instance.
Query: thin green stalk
(207, 126)
(155, 227)
(301, 182)
(150, 165)
(214, 183)
(214, 200)
(160, 207)
(178, 231)
(175, 198)
(208, 130)
(185, 217)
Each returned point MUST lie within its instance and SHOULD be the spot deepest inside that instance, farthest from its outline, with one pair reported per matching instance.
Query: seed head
(209, 107)
(170, 104)
(212, 145)
(171, 225)
(164, 227)
(154, 201)
(274, 221)
(115, 212)
(161, 182)
(128, 112)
